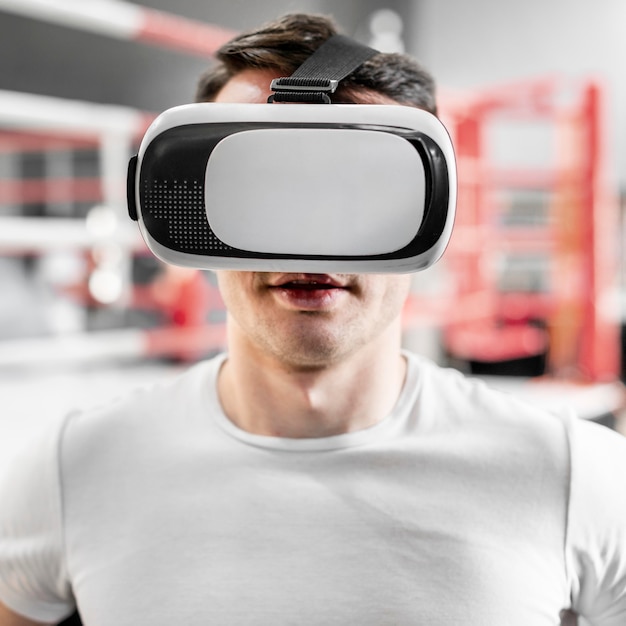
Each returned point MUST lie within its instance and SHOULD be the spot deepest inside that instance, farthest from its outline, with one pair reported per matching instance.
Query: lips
(308, 292)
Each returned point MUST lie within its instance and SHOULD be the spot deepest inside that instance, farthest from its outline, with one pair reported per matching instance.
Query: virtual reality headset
(316, 188)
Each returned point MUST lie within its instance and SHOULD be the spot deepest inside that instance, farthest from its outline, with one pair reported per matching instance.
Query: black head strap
(320, 74)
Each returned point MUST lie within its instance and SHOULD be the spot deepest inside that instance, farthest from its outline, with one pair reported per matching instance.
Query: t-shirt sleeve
(33, 576)
(596, 537)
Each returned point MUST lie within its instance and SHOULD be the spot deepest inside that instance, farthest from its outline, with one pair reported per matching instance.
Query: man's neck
(265, 396)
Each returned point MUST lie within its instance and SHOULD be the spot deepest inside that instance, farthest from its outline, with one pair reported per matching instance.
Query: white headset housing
(307, 188)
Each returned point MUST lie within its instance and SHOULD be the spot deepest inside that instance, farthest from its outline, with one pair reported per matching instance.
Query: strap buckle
(301, 89)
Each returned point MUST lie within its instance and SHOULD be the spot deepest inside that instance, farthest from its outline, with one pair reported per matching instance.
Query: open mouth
(307, 282)
(308, 291)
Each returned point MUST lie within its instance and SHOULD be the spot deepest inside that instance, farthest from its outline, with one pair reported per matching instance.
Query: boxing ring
(571, 320)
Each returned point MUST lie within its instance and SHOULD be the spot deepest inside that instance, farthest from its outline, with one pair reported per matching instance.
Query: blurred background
(531, 290)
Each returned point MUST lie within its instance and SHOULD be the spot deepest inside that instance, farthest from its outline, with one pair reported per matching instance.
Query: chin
(312, 353)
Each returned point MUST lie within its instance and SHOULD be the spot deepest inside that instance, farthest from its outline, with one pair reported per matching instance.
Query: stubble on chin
(303, 344)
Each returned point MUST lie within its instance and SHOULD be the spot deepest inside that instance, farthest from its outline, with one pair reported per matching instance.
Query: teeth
(308, 283)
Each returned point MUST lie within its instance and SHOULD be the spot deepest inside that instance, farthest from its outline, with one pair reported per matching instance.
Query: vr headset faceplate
(297, 188)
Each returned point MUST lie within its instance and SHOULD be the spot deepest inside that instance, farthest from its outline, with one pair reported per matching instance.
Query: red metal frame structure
(572, 320)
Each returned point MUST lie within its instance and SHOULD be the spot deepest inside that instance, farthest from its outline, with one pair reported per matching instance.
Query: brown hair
(284, 44)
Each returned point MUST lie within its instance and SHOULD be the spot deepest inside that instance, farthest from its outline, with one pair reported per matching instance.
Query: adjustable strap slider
(302, 89)
(291, 83)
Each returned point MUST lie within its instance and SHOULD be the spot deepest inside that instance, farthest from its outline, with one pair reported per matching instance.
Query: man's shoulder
(148, 408)
(457, 401)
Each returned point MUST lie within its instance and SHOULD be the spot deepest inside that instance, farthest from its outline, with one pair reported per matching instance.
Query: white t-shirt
(464, 506)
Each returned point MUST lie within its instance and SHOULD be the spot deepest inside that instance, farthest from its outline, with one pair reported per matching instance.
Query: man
(316, 474)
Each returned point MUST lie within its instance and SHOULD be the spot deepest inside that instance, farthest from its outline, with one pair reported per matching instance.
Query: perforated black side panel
(179, 207)
(172, 189)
